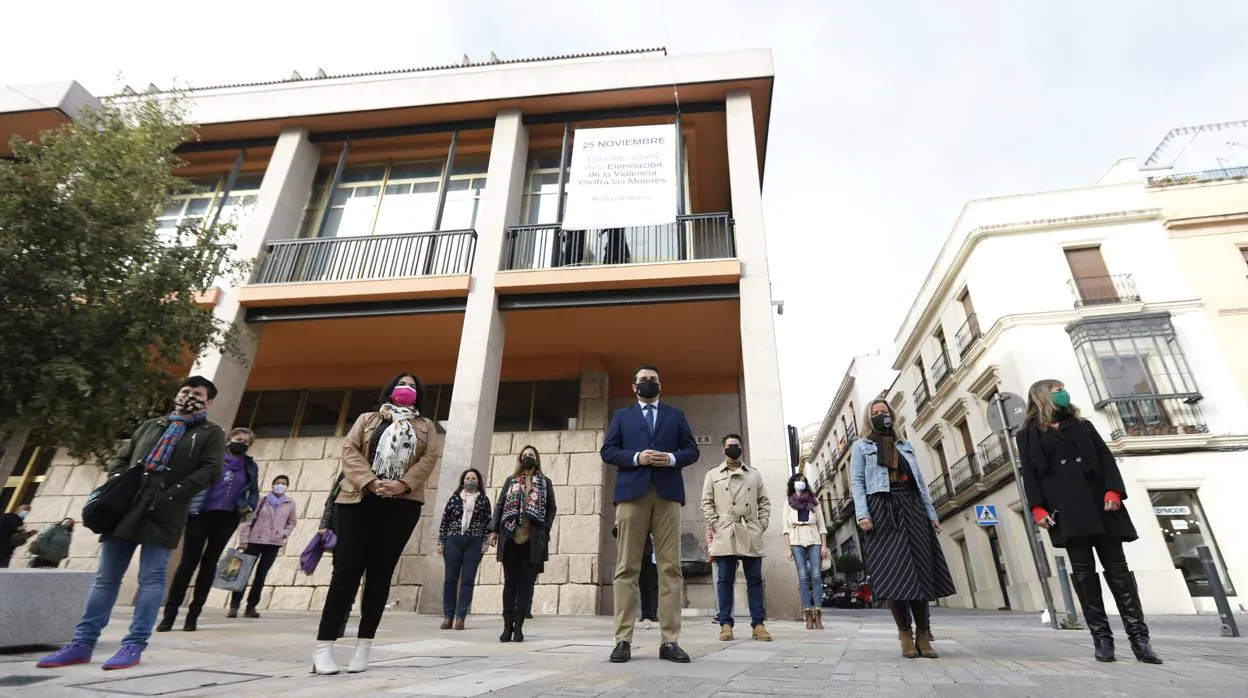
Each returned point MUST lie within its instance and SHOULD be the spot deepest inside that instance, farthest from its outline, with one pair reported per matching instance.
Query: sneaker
(126, 657)
(69, 655)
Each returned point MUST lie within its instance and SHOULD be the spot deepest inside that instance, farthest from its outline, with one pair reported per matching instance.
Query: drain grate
(171, 682)
(22, 680)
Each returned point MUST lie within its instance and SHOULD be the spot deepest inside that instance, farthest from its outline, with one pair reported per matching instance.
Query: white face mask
(23, 514)
(799, 486)
(279, 490)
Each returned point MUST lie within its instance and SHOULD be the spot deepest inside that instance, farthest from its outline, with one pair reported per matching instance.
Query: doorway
(966, 563)
(998, 562)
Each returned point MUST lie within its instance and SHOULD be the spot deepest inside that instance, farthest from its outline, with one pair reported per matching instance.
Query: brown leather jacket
(358, 473)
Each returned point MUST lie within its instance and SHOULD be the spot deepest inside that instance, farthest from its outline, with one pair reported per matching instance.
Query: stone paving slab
(997, 655)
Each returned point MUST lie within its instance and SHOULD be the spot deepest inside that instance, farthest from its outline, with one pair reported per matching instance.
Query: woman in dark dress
(895, 512)
(520, 530)
(1075, 490)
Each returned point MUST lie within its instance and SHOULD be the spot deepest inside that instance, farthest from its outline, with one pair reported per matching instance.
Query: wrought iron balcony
(993, 455)
(964, 473)
(939, 490)
(967, 335)
(1202, 176)
(921, 397)
(1103, 290)
(694, 237)
(367, 257)
(940, 369)
(1154, 416)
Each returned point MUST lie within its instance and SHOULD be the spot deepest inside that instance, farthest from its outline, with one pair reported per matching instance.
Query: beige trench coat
(737, 510)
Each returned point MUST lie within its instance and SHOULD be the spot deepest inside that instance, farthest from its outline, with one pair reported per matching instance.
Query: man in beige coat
(734, 501)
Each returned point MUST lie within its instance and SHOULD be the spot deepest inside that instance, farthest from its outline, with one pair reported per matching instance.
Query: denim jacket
(866, 476)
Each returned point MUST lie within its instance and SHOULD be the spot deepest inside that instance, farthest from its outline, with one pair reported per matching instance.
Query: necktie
(650, 417)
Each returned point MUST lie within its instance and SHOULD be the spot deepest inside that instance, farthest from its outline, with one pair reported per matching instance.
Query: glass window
(515, 403)
(556, 405)
(321, 410)
(246, 409)
(442, 409)
(275, 414)
(1125, 358)
(361, 400)
(1185, 529)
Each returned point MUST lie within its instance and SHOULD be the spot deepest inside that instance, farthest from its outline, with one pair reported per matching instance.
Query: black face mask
(528, 463)
(648, 390)
(882, 423)
(733, 452)
(238, 448)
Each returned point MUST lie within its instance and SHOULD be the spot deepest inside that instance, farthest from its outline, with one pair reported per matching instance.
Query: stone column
(764, 419)
(284, 193)
(471, 427)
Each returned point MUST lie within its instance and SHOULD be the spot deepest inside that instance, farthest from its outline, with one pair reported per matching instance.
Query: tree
(849, 565)
(97, 310)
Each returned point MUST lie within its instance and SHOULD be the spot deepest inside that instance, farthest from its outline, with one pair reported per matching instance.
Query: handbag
(825, 564)
(108, 503)
(233, 570)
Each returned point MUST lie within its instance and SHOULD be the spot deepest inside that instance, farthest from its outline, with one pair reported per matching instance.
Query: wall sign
(1172, 511)
(702, 440)
(622, 177)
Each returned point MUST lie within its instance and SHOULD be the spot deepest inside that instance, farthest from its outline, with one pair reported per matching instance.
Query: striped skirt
(903, 552)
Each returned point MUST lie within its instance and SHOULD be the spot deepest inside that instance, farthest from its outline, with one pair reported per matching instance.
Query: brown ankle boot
(459, 624)
(810, 619)
(819, 619)
(446, 623)
(908, 650)
(923, 643)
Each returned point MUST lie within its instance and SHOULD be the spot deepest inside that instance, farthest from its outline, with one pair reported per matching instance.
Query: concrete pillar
(764, 418)
(284, 193)
(471, 427)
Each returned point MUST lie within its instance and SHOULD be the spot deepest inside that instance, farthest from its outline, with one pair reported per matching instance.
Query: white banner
(622, 177)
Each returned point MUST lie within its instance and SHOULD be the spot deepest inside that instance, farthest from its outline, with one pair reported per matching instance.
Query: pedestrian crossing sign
(986, 514)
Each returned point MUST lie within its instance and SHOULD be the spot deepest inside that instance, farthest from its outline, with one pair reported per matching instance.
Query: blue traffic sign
(986, 515)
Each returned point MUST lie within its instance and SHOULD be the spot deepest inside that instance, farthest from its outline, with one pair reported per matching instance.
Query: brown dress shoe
(725, 632)
(446, 623)
(459, 624)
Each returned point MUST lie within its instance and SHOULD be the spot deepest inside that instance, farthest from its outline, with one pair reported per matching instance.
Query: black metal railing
(367, 257)
(921, 397)
(694, 237)
(963, 473)
(1154, 416)
(940, 369)
(1202, 176)
(1103, 290)
(993, 455)
(967, 335)
(939, 490)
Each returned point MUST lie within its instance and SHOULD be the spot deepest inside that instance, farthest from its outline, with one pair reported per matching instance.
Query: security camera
(779, 307)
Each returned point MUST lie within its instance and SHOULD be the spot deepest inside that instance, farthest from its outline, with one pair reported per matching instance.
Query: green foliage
(849, 565)
(97, 318)
(1068, 623)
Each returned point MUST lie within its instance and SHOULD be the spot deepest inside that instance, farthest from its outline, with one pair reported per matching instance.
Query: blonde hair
(866, 415)
(536, 456)
(1040, 405)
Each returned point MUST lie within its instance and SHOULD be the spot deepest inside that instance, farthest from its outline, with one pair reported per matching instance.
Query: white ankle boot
(323, 663)
(360, 661)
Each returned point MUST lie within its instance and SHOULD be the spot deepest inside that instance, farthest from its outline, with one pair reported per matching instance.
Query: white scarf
(397, 444)
(470, 506)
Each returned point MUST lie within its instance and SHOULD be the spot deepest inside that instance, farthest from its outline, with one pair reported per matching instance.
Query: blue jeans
(461, 556)
(115, 555)
(727, 568)
(809, 575)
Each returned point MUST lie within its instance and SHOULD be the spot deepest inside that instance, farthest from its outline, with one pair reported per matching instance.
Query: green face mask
(1061, 398)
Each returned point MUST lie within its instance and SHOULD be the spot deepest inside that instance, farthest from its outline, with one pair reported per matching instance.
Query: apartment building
(867, 378)
(1086, 286)
(471, 223)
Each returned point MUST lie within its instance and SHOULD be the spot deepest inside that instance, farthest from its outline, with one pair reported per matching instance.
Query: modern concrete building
(1088, 286)
(412, 220)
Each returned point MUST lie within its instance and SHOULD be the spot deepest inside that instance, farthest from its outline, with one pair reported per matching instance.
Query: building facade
(1085, 286)
(412, 221)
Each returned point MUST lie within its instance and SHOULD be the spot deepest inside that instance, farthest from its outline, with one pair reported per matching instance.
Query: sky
(887, 116)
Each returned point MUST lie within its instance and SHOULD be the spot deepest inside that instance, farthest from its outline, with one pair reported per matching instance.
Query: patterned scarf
(397, 444)
(534, 505)
(158, 459)
(803, 503)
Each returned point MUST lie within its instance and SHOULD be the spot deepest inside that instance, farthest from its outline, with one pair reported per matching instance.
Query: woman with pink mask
(386, 460)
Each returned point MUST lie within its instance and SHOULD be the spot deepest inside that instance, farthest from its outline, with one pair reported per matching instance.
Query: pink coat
(269, 526)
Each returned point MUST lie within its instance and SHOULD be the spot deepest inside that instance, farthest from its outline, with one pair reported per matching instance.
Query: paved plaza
(983, 654)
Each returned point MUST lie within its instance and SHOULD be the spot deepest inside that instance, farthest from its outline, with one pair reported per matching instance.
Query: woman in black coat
(523, 515)
(1075, 491)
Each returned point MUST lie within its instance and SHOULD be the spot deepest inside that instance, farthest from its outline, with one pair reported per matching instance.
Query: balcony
(1154, 416)
(967, 335)
(313, 260)
(938, 488)
(1103, 290)
(940, 369)
(1196, 177)
(993, 455)
(703, 236)
(963, 474)
(921, 397)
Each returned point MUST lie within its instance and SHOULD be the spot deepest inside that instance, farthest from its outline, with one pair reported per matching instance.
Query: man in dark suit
(649, 444)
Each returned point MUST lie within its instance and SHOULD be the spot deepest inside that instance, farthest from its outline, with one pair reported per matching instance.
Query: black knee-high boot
(509, 627)
(1127, 596)
(1092, 601)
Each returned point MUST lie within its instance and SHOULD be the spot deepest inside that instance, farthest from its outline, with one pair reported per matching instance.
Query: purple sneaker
(69, 655)
(125, 658)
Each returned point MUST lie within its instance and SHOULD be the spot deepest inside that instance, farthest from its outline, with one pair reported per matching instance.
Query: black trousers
(649, 590)
(1109, 550)
(205, 538)
(266, 554)
(519, 576)
(371, 537)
